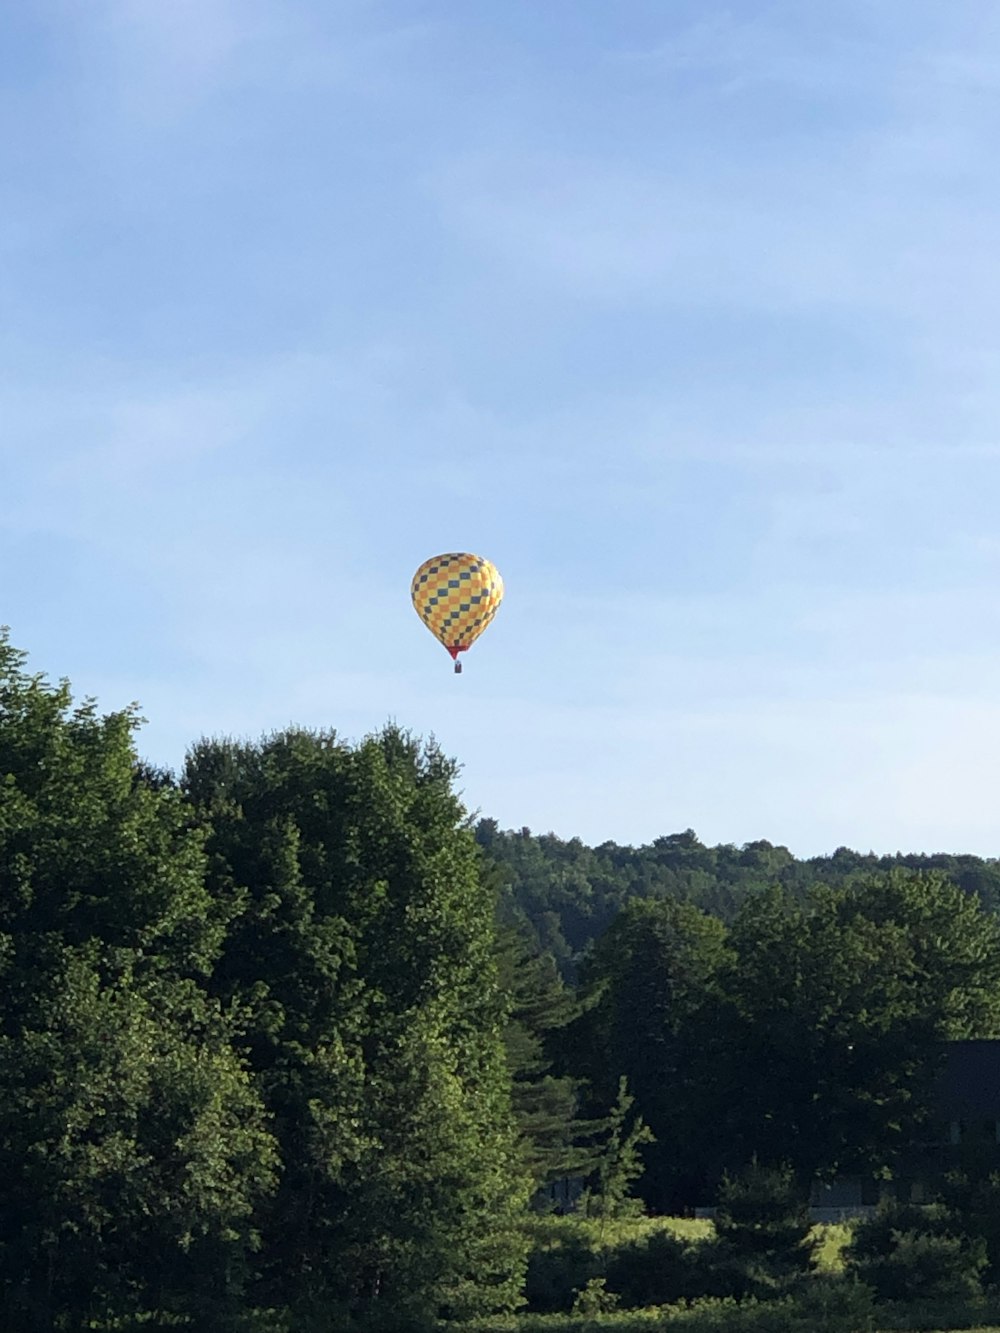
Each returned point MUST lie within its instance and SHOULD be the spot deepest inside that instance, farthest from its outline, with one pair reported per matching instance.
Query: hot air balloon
(456, 596)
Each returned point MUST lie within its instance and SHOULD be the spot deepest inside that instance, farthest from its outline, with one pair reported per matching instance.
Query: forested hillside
(569, 894)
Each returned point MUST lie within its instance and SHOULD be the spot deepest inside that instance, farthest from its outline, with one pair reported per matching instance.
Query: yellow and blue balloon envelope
(456, 596)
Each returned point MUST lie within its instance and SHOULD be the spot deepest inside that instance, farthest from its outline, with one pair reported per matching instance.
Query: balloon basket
(458, 668)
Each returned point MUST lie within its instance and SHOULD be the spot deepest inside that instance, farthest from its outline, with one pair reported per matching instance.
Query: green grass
(654, 1320)
(701, 1319)
(611, 1233)
(833, 1237)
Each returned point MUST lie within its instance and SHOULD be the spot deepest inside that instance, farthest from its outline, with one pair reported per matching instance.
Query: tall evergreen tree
(556, 1142)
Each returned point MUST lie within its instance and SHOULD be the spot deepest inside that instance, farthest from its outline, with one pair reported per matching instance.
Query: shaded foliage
(763, 1230)
(910, 1253)
(972, 1197)
(810, 1031)
(835, 1012)
(650, 997)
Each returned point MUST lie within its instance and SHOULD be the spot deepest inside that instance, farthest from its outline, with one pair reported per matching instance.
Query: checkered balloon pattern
(456, 596)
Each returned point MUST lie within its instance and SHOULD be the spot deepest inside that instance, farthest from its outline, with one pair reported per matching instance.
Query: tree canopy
(568, 894)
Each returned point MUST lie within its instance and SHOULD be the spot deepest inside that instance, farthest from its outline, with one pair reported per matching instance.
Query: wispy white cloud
(884, 214)
(167, 61)
(833, 240)
(737, 52)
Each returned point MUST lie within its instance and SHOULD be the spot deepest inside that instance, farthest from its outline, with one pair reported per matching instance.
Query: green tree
(650, 989)
(569, 893)
(556, 1141)
(619, 1163)
(763, 1228)
(834, 1014)
(363, 950)
(133, 1149)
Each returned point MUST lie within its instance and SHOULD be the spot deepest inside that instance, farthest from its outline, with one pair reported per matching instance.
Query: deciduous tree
(133, 1150)
(364, 950)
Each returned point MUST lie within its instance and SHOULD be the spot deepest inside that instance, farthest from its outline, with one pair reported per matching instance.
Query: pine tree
(763, 1226)
(556, 1142)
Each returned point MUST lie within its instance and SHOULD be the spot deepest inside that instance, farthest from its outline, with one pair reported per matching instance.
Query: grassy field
(698, 1321)
(612, 1233)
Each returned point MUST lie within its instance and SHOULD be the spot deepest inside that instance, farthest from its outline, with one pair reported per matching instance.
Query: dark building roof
(969, 1086)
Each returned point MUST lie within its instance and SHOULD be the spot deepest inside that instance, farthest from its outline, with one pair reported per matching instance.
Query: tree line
(287, 1041)
(566, 894)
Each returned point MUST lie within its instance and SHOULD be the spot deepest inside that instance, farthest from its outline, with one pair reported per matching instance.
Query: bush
(557, 1271)
(594, 1298)
(909, 1253)
(826, 1305)
(765, 1237)
(644, 1261)
(932, 1316)
(660, 1269)
(651, 1264)
(975, 1203)
(834, 1305)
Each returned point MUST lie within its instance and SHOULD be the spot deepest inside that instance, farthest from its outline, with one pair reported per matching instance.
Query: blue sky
(685, 314)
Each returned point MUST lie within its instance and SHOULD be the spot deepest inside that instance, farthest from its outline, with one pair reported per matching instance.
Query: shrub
(824, 1306)
(911, 1253)
(645, 1261)
(834, 1305)
(659, 1269)
(594, 1298)
(765, 1237)
(975, 1203)
(557, 1271)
